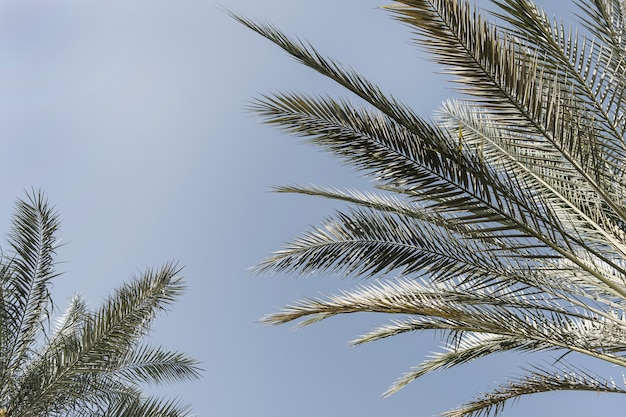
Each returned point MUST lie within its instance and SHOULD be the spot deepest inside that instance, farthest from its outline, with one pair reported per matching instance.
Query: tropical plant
(84, 362)
(501, 224)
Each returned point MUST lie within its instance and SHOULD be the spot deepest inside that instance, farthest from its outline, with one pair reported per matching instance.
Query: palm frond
(462, 308)
(155, 365)
(401, 205)
(149, 407)
(71, 322)
(127, 314)
(26, 276)
(368, 243)
(470, 347)
(536, 380)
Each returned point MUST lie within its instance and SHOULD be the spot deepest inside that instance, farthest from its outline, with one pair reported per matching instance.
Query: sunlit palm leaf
(536, 380)
(471, 347)
(462, 308)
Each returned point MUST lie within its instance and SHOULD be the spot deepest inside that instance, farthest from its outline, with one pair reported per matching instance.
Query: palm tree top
(501, 223)
(85, 362)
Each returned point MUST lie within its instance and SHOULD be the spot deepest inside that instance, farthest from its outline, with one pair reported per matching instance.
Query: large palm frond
(502, 223)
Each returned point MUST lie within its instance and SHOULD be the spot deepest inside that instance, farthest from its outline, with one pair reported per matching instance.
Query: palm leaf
(150, 407)
(25, 280)
(535, 381)
(471, 347)
(155, 365)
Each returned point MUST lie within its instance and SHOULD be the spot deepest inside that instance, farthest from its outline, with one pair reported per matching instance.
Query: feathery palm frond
(89, 362)
(501, 224)
(537, 380)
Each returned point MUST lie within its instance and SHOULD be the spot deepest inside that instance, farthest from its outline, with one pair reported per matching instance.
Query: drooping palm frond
(88, 362)
(470, 348)
(535, 381)
(501, 224)
(151, 406)
(425, 166)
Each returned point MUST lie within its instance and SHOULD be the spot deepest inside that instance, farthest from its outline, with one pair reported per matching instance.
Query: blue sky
(130, 115)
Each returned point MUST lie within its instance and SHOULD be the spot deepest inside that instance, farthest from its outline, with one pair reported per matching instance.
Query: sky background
(130, 116)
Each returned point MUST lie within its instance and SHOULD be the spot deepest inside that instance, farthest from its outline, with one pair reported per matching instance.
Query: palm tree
(83, 363)
(500, 225)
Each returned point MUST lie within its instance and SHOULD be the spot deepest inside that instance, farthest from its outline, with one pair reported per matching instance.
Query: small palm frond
(392, 203)
(149, 407)
(128, 313)
(71, 322)
(535, 381)
(25, 278)
(155, 365)
(471, 347)
(345, 77)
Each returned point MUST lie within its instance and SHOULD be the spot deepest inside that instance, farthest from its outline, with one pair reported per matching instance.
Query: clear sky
(129, 114)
